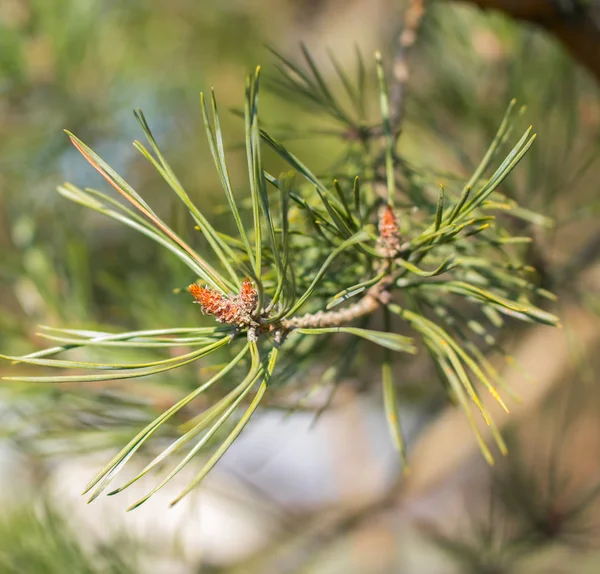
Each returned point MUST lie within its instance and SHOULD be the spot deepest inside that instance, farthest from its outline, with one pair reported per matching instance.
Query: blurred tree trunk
(576, 26)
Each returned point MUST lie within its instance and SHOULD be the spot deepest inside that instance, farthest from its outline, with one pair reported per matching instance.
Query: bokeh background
(309, 491)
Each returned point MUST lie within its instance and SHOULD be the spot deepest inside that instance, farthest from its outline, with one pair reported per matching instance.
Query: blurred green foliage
(40, 541)
(85, 64)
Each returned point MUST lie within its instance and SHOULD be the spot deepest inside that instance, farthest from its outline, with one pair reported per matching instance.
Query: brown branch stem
(375, 297)
(400, 71)
(365, 306)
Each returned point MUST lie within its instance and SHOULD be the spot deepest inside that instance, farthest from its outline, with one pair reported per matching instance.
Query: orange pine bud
(231, 309)
(248, 295)
(387, 223)
(389, 236)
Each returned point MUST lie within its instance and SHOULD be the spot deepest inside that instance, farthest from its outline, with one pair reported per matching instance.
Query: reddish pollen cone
(247, 295)
(389, 237)
(387, 224)
(231, 309)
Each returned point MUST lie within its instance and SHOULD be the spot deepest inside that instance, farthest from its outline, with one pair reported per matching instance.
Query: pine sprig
(320, 255)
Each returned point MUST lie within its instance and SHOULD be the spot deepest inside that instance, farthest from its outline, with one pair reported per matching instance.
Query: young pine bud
(232, 309)
(389, 235)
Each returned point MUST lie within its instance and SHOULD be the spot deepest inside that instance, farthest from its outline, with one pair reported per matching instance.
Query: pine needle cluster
(368, 251)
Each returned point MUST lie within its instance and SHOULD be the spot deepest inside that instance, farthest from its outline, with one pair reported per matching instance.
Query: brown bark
(578, 30)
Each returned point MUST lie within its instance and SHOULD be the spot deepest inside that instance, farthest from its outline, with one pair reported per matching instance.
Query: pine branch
(254, 284)
(375, 297)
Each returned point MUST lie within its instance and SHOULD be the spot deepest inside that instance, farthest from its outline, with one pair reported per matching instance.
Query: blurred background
(310, 491)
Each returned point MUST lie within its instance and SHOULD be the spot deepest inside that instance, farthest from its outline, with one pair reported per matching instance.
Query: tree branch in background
(581, 260)
(576, 26)
(400, 72)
